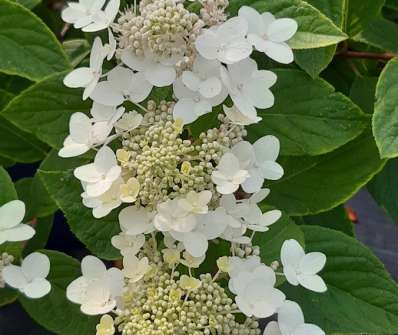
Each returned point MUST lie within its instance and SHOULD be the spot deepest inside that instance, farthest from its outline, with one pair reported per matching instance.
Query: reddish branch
(386, 56)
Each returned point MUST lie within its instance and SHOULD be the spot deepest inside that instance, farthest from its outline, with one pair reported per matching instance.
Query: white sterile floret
(11, 227)
(191, 105)
(110, 47)
(158, 71)
(84, 135)
(248, 87)
(237, 117)
(134, 268)
(259, 160)
(291, 322)
(195, 202)
(135, 221)
(100, 175)
(256, 220)
(255, 292)
(269, 35)
(209, 227)
(229, 175)
(226, 43)
(98, 289)
(128, 244)
(30, 277)
(302, 269)
(121, 84)
(88, 77)
(106, 202)
(88, 14)
(171, 216)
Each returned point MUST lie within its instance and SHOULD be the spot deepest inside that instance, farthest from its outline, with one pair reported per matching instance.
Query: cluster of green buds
(167, 303)
(164, 27)
(166, 162)
(5, 259)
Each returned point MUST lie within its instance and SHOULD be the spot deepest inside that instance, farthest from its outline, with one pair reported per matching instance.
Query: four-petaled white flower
(135, 221)
(84, 135)
(99, 176)
(133, 268)
(159, 72)
(121, 84)
(259, 160)
(248, 87)
(302, 269)
(88, 77)
(196, 202)
(106, 202)
(88, 14)
(291, 322)
(171, 216)
(226, 43)
(237, 117)
(98, 289)
(255, 292)
(11, 227)
(209, 227)
(128, 244)
(229, 175)
(269, 35)
(30, 277)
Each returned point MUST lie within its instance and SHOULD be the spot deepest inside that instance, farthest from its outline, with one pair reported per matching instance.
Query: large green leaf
(7, 188)
(28, 48)
(316, 184)
(65, 189)
(360, 13)
(363, 91)
(361, 298)
(316, 60)
(77, 50)
(384, 188)
(380, 33)
(29, 3)
(54, 104)
(334, 219)
(385, 118)
(309, 117)
(315, 29)
(54, 311)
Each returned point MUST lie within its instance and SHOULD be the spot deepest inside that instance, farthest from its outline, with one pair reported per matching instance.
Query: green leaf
(54, 311)
(384, 188)
(28, 48)
(308, 117)
(7, 188)
(363, 92)
(361, 298)
(65, 190)
(18, 145)
(360, 13)
(54, 104)
(392, 4)
(29, 4)
(270, 242)
(315, 61)
(77, 50)
(315, 29)
(385, 118)
(316, 184)
(35, 195)
(334, 219)
(380, 33)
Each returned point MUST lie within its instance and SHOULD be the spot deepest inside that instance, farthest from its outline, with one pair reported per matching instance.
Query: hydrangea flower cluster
(179, 193)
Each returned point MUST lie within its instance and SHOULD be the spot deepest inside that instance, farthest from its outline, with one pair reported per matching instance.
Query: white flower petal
(77, 290)
(79, 128)
(290, 316)
(253, 18)
(312, 263)
(282, 30)
(80, 77)
(133, 61)
(105, 159)
(271, 170)
(291, 253)
(93, 268)
(272, 328)
(140, 88)
(160, 75)
(105, 94)
(11, 214)
(191, 80)
(210, 87)
(207, 44)
(185, 110)
(267, 148)
(14, 277)
(38, 288)
(195, 243)
(36, 265)
(21, 232)
(312, 282)
(280, 52)
(309, 329)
